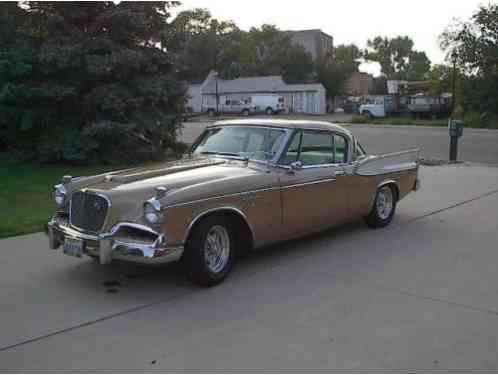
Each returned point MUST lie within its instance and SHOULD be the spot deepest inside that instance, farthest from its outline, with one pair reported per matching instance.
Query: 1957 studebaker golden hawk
(244, 184)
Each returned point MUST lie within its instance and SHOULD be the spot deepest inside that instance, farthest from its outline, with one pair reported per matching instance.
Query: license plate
(73, 247)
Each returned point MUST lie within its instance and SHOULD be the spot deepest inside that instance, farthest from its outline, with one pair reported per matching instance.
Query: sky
(351, 21)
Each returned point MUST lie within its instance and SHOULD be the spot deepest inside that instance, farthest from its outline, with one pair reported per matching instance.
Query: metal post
(217, 96)
(453, 134)
(453, 148)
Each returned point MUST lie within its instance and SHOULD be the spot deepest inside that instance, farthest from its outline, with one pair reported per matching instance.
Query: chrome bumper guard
(107, 247)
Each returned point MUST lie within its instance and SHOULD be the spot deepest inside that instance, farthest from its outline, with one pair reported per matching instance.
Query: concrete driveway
(421, 295)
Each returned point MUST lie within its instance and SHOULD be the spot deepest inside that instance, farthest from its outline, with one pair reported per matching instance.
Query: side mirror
(296, 165)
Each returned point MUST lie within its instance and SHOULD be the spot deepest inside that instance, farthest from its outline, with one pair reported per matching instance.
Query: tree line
(105, 81)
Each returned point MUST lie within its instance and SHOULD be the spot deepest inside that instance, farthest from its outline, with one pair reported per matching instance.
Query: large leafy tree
(473, 47)
(333, 73)
(96, 85)
(273, 53)
(202, 43)
(397, 58)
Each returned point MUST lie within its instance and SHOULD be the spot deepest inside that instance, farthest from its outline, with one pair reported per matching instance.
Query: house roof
(249, 84)
(255, 85)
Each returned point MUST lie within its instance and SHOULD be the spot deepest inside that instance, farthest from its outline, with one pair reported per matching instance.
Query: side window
(340, 149)
(317, 148)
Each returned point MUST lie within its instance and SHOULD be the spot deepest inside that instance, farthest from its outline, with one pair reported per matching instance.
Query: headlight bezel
(60, 195)
(152, 212)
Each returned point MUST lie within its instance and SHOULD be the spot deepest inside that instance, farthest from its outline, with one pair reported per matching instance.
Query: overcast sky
(350, 21)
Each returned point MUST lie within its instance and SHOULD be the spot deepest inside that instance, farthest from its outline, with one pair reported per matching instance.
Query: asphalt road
(421, 294)
(476, 145)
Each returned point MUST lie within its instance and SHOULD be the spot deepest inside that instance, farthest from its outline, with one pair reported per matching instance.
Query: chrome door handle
(339, 173)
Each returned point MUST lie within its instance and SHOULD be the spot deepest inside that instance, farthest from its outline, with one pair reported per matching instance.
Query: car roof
(287, 124)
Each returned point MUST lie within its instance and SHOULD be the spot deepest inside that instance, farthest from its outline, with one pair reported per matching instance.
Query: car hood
(186, 180)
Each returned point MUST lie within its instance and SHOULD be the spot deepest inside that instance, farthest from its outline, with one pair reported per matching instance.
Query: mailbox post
(455, 128)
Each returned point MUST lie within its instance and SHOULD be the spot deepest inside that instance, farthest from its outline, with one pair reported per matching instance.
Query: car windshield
(257, 143)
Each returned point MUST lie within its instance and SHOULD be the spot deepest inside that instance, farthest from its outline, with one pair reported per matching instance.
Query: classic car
(244, 184)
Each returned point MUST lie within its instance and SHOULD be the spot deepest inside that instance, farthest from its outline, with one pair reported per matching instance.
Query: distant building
(301, 98)
(359, 84)
(194, 98)
(317, 43)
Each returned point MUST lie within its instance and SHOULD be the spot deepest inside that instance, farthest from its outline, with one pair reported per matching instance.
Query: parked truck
(415, 105)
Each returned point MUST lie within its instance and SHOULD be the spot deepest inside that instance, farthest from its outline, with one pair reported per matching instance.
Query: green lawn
(25, 194)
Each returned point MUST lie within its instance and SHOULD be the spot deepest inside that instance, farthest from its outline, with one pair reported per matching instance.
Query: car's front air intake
(88, 211)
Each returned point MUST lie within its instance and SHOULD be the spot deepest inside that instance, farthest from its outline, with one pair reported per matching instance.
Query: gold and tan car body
(269, 201)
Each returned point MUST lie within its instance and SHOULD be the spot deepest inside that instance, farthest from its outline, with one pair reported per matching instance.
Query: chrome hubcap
(385, 202)
(217, 248)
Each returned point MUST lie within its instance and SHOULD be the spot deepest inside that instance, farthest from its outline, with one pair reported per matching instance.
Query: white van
(268, 103)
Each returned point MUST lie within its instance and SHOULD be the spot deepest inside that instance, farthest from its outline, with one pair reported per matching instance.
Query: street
(419, 295)
(476, 145)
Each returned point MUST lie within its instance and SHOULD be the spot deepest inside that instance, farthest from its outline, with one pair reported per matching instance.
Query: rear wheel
(269, 111)
(245, 112)
(383, 209)
(211, 112)
(211, 251)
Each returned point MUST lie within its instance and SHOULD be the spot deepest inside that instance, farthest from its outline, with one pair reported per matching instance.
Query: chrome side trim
(220, 197)
(219, 209)
(314, 182)
(247, 192)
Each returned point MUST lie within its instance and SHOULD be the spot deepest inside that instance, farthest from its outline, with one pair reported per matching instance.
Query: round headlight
(60, 195)
(152, 212)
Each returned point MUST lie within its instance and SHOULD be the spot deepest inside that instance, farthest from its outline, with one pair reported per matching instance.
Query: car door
(313, 188)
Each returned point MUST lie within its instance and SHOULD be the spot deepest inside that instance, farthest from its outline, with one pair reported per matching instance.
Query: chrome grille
(88, 211)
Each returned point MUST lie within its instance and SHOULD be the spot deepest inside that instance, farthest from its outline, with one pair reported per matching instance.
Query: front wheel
(211, 251)
(269, 111)
(383, 209)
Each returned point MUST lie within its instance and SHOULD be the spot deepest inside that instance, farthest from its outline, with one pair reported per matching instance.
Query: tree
(195, 36)
(222, 46)
(333, 73)
(271, 52)
(397, 58)
(473, 47)
(98, 87)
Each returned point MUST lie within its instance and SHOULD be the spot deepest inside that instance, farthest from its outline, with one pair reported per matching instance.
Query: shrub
(87, 82)
(359, 119)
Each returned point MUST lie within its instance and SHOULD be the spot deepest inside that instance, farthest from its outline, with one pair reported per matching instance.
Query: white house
(300, 98)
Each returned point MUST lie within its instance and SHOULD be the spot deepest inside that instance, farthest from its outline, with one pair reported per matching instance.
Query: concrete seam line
(428, 298)
(91, 322)
(453, 206)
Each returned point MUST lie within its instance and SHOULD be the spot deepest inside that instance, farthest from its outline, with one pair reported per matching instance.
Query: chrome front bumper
(108, 247)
